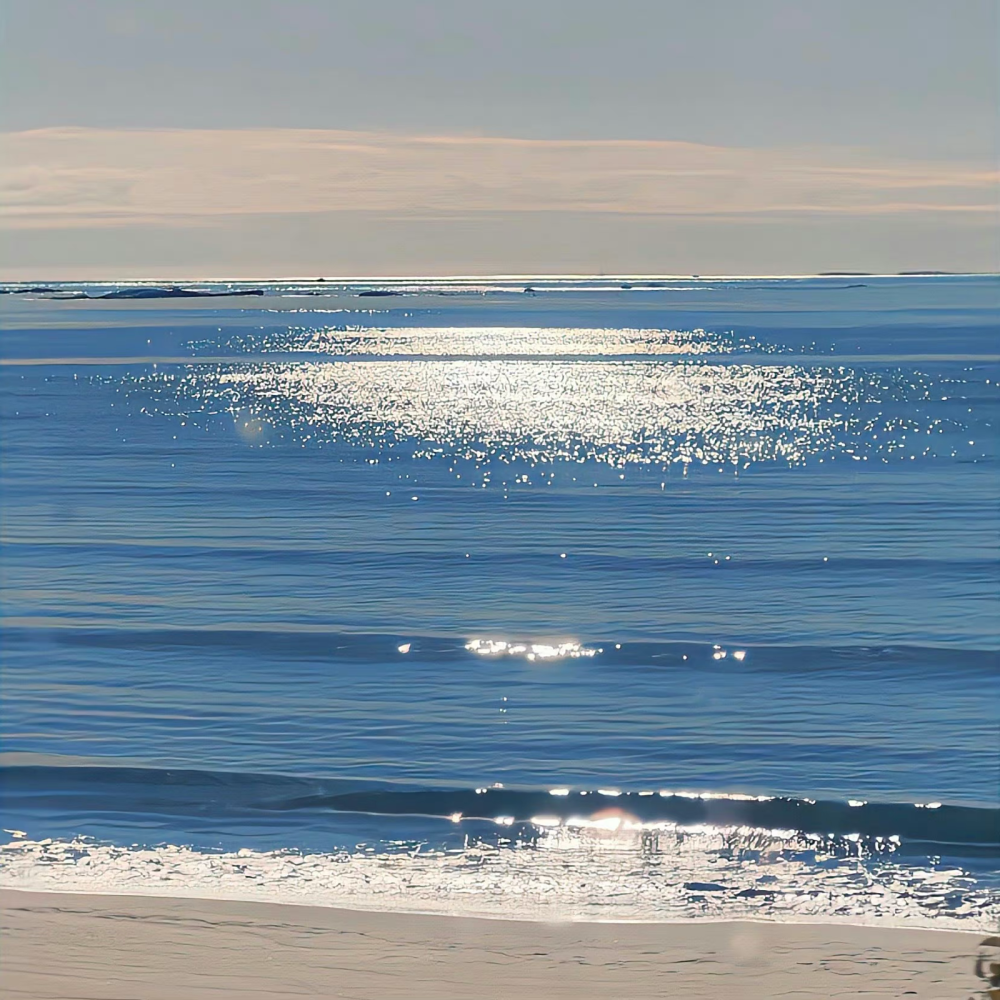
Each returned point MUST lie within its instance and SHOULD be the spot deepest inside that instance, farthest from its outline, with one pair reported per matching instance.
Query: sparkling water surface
(724, 538)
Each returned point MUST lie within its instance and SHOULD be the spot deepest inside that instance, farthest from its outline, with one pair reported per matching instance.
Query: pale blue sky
(904, 89)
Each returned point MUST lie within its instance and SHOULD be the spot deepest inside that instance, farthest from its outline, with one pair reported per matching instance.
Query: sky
(260, 138)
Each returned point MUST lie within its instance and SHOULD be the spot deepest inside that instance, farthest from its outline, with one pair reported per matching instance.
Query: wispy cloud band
(69, 177)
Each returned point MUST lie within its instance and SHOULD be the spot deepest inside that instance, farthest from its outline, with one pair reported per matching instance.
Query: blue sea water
(644, 599)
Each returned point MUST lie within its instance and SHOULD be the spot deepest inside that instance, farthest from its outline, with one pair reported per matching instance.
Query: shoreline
(74, 945)
(581, 879)
(198, 896)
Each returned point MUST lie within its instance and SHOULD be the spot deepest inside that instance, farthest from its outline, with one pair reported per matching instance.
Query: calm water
(321, 595)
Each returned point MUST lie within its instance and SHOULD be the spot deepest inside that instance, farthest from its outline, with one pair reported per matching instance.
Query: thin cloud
(71, 177)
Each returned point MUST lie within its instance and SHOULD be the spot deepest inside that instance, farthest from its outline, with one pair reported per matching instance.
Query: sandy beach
(78, 946)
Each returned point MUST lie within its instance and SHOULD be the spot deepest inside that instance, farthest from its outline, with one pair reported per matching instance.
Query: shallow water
(264, 557)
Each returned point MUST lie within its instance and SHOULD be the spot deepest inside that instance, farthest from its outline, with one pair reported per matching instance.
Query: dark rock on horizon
(172, 292)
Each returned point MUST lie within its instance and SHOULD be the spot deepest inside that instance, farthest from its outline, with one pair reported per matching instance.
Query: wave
(229, 796)
(294, 641)
(553, 854)
(608, 869)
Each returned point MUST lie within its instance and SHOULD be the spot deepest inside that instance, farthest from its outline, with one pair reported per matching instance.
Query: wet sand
(57, 945)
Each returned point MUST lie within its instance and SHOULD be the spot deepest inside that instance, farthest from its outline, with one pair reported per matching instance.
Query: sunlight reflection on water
(617, 413)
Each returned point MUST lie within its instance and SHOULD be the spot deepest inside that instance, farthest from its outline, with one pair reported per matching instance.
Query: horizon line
(526, 276)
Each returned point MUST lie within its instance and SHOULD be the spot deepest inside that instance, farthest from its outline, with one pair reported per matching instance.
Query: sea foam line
(584, 875)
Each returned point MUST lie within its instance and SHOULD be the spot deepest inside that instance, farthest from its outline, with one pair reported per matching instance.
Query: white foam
(605, 870)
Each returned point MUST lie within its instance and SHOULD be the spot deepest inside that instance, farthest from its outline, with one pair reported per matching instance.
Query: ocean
(590, 598)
